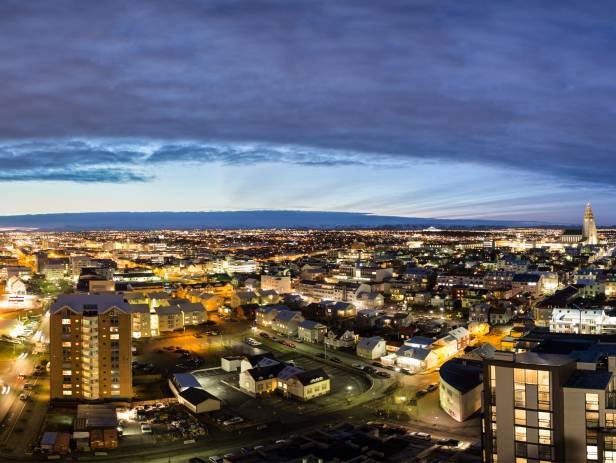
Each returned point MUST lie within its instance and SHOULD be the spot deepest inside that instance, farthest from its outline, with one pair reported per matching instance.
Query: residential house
(310, 331)
(371, 348)
(287, 322)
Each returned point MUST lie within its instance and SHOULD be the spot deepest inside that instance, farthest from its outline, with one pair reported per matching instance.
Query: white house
(371, 348)
(193, 313)
(311, 331)
(344, 340)
(287, 322)
(265, 315)
(15, 285)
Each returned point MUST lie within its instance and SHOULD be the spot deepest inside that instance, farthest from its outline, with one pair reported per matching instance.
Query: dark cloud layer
(522, 84)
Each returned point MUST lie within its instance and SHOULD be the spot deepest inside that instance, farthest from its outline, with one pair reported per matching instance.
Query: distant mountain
(233, 219)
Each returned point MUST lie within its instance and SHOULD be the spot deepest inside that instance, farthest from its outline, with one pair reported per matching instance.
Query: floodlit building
(460, 387)
(371, 348)
(280, 284)
(583, 321)
(287, 322)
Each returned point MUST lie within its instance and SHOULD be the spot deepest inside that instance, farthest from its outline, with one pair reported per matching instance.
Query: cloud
(520, 85)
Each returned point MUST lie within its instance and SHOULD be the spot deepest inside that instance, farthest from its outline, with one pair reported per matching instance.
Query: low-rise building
(460, 387)
(287, 322)
(310, 331)
(371, 348)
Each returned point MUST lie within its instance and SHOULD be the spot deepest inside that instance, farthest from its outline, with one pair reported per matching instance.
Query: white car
(420, 435)
(252, 342)
(234, 420)
(146, 428)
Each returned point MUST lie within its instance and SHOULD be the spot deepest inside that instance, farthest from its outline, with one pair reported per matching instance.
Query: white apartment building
(582, 321)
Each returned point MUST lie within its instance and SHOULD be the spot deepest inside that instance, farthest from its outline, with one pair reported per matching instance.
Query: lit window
(67, 392)
(545, 419)
(591, 452)
(520, 417)
(66, 344)
(520, 433)
(67, 372)
(545, 436)
(66, 321)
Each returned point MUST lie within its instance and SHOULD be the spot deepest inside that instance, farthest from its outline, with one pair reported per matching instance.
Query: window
(520, 395)
(592, 401)
(545, 436)
(520, 417)
(520, 433)
(66, 321)
(610, 420)
(543, 378)
(543, 397)
(67, 392)
(545, 419)
(591, 452)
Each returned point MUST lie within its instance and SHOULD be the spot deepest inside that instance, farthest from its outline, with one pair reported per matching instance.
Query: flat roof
(590, 379)
(541, 358)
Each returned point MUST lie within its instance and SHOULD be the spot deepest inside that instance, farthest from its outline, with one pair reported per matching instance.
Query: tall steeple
(589, 227)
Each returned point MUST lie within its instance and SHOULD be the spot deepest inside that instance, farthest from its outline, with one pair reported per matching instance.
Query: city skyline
(478, 110)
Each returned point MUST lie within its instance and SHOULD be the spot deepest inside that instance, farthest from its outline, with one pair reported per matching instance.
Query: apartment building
(90, 347)
(550, 407)
(583, 321)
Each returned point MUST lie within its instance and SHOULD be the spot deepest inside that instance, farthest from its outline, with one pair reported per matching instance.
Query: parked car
(335, 360)
(216, 459)
(406, 371)
(369, 370)
(420, 435)
(264, 335)
(234, 420)
(421, 392)
(383, 374)
(449, 442)
(23, 397)
(146, 428)
(321, 355)
(432, 387)
(376, 364)
(252, 342)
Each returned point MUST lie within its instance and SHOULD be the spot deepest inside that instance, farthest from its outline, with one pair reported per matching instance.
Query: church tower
(589, 228)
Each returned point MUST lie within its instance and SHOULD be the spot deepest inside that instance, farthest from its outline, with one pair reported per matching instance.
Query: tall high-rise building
(589, 227)
(90, 347)
(546, 407)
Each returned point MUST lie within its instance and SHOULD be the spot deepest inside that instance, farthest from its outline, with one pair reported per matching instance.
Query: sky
(448, 109)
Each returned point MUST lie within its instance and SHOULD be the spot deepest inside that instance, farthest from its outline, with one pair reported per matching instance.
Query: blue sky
(418, 108)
